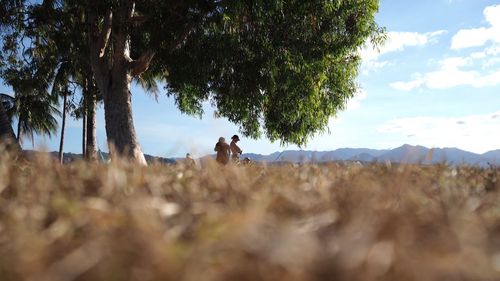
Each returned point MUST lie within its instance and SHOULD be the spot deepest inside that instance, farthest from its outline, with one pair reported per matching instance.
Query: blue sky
(435, 83)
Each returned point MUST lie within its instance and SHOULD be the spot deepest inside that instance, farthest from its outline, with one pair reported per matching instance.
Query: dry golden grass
(122, 222)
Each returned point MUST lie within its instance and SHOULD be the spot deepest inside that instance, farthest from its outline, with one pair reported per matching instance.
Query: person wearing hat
(189, 161)
(223, 152)
(235, 149)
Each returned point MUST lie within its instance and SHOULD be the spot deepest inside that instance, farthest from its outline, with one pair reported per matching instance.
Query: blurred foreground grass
(122, 222)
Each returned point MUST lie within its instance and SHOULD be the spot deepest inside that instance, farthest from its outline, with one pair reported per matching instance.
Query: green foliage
(284, 66)
(279, 67)
(36, 113)
(35, 107)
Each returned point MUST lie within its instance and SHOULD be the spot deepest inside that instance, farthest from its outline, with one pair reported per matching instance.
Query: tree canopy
(282, 66)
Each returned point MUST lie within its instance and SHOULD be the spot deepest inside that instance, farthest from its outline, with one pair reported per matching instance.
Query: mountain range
(404, 154)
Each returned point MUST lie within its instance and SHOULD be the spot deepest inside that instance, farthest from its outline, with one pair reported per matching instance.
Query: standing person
(189, 161)
(222, 149)
(235, 149)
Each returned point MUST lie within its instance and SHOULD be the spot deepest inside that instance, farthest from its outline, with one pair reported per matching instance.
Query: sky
(436, 83)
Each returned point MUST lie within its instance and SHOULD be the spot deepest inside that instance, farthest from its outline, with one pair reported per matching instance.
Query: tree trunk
(91, 148)
(18, 136)
(7, 136)
(63, 126)
(84, 127)
(118, 116)
(114, 75)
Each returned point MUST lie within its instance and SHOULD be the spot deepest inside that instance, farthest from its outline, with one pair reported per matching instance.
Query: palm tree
(35, 114)
(63, 128)
(60, 87)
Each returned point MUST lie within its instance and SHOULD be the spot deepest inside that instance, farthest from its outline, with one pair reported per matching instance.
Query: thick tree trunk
(7, 136)
(118, 116)
(63, 127)
(91, 147)
(114, 75)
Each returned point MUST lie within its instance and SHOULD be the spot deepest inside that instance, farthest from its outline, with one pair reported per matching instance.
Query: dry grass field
(123, 222)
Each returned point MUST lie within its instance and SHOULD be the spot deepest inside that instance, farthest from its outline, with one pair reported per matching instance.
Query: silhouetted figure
(189, 161)
(222, 149)
(246, 161)
(235, 149)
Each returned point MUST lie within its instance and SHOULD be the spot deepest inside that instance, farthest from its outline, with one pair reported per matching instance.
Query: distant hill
(492, 156)
(298, 156)
(403, 154)
(363, 157)
(406, 154)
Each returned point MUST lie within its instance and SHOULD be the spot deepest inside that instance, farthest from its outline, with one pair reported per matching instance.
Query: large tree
(279, 67)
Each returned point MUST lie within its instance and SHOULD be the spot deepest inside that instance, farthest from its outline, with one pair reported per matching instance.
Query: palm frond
(37, 114)
(150, 85)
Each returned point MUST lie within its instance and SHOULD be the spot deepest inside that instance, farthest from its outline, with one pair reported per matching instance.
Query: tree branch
(105, 33)
(98, 41)
(121, 36)
(130, 10)
(140, 65)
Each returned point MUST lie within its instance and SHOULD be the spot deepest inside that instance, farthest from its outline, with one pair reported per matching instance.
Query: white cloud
(492, 15)
(492, 51)
(451, 74)
(476, 37)
(468, 38)
(476, 133)
(396, 42)
(476, 69)
(407, 86)
(454, 63)
(491, 62)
